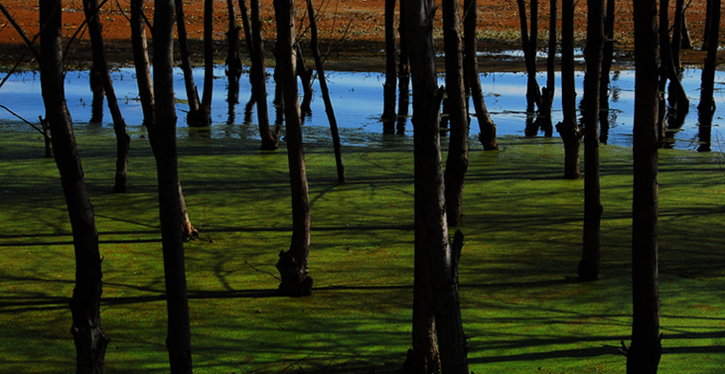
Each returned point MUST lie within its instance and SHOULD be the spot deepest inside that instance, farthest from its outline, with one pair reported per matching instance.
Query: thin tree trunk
(644, 354)
(543, 120)
(607, 57)
(234, 60)
(145, 90)
(707, 102)
(487, 135)
(97, 91)
(293, 265)
(589, 264)
(403, 73)
(436, 309)
(569, 130)
(708, 25)
(390, 72)
(178, 341)
(100, 64)
(305, 75)
(270, 141)
(529, 44)
(326, 94)
(457, 161)
(90, 341)
(206, 97)
(193, 117)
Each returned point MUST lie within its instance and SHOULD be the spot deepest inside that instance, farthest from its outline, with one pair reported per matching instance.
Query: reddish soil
(352, 30)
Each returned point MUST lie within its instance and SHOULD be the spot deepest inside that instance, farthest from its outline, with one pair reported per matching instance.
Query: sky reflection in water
(357, 98)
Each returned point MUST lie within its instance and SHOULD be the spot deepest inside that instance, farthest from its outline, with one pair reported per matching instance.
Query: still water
(357, 98)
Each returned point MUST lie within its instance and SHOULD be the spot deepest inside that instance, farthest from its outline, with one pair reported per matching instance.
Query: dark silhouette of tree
(293, 264)
(329, 109)
(233, 61)
(607, 57)
(437, 324)
(390, 71)
(668, 71)
(569, 130)
(543, 120)
(457, 161)
(146, 95)
(403, 74)
(529, 43)
(707, 87)
(163, 137)
(487, 134)
(90, 341)
(258, 78)
(102, 73)
(643, 356)
(589, 264)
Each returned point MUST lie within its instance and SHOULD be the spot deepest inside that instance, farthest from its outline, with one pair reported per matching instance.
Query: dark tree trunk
(178, 341)
(305, 75)
(90, 341)
(669, 68)
(644, 354)
(707, 103)
(329, 110)
(589, 264)
(708, 25)
(208, 61)
(192, 94)
(145, 90)
(234, 60)
(403, 74)
(389, 86)
(607, 57)
(686, 42)
(487, 135)
(270, 141)
(436, 307)
(543, 120)
(569, 130)
(529, 44)
(457, 161)
(293, 264)
(100, 65)
(97, 90)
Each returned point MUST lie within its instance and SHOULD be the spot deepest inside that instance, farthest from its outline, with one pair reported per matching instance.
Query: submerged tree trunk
(163, 135)
(487, 135)
(607, 57)
(90, 341)
(390, 78)
(589, 264)
(326, 94)
(100, 64)
(403, 74)
(234, 60)
(258, 73)
(707, 103)
(643, 356)
(529, 44)
(436, 306)
(569, 130)
(293, 264)
(192, 94)
(457, 161)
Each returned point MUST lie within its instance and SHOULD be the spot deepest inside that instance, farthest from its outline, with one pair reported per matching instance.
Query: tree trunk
(644, 354)
(178, 341)
(329, 110)
(403, 74)
(708, 24)
(569, 130)
(607, 57)
(389, 86)
(270, 141)
(707, 103)
(305, 75)
(529, 44)
(145, 91)
(100, 65)
(457, 161)
(487, 135)
(90, 341)
(97, 90)
(543, 120)
(293, 264)
(195, 117)
(436, 307)
(589, 264)
(234, 60)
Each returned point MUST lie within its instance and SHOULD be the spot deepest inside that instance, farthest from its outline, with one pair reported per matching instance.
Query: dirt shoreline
(352, 31)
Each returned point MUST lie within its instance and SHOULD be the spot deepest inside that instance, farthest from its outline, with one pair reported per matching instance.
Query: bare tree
(163, 135)
(643, 356)
(293, 265)
(390, 71)
(707, 103)
(90, 341)
(569, 130)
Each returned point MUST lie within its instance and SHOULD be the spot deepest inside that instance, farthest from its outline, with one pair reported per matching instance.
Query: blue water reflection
(357, 98)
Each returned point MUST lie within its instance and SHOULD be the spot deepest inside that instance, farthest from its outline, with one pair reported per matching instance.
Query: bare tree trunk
(206, 97)
(192, 94)
(529, 44)
(305, 75)
(100, 64)
(487, 135)
(270, 141)
(569, 130)
(90, 341)
(97, 91)
(589, 264)
(607, 57)
(390, 72)
(293, 265)
(543, 120)
(326, 94)
(707, 103)
(457, 161)
(178, 341)
(644, 354)
(403, 73)
(234, 60)
(436, 307)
